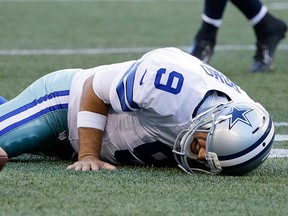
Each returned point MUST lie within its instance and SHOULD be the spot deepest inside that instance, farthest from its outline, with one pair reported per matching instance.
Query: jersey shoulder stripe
(124, 89)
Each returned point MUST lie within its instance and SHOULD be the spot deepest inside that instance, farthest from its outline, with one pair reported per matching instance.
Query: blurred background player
(268, 31)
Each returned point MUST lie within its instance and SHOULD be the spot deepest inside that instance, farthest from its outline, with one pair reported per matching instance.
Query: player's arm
(91, 123)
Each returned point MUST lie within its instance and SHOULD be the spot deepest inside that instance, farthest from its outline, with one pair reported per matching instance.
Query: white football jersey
(152, 99)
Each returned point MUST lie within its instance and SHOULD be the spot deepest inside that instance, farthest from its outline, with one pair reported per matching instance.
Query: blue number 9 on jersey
(173, 84)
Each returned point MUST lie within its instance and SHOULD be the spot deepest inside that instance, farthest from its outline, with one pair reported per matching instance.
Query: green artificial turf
(39, 185)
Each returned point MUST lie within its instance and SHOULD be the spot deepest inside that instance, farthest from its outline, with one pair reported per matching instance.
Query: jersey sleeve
(104, 77)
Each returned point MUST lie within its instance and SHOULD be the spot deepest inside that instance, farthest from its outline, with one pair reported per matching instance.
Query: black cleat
(265, 49)
(202, 50)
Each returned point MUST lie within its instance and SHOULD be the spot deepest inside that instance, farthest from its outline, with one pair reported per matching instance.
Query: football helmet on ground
(240, 137)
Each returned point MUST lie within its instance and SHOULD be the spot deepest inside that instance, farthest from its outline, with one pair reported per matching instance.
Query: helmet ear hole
(264, 120)
(264, 144)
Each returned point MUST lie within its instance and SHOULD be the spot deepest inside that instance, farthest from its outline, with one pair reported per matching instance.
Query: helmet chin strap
(211, 157)
(213, 163)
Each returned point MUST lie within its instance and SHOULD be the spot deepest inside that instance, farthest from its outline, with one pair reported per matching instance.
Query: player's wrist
(88, 156)
(87, 119)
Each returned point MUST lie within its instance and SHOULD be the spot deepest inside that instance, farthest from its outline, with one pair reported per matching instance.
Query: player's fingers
(75, 166)
(71, 166)
(95, 166)
(78, 166)
(87, 166)
(108, 166)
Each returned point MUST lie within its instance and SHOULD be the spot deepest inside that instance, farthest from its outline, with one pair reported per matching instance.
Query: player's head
(237, 139)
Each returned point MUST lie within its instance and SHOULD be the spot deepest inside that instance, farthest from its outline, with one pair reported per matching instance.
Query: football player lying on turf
(164, 109)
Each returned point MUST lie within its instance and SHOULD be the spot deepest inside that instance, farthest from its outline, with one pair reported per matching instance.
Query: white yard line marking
(281, 124)
(115, 50)
(76, 51)
(278, 5)
(281, 137)
(278, 153)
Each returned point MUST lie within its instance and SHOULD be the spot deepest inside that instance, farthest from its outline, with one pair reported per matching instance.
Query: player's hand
(90, 163)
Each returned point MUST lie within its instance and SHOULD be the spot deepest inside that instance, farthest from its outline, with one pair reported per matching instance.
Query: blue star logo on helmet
(237, 115)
